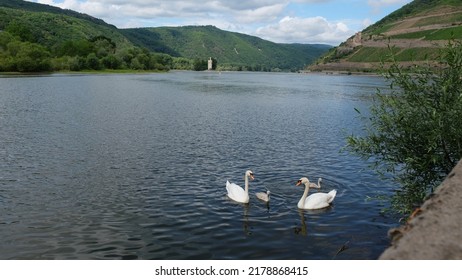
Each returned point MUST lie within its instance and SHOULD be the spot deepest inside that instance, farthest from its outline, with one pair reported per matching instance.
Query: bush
(75, 55)
(93, 62)
(30, 57)
(111, 62)
(200, 65)
(414, 132)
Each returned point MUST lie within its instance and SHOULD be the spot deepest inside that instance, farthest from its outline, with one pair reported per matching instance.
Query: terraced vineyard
(414, 34)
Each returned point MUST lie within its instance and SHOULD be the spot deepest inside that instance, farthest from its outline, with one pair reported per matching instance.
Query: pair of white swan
(314, 201)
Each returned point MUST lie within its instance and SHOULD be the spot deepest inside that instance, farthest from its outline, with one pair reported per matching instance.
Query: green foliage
(22, 56)
(375, 54)
(200, 64)
(368, 54)
(414, 132)
(71, 39)
(40, 8)
(36, 38)
(99, 54)
(92, 62)
(451, 19)
(438, 34)
(410, 28)
(181, 63)
(413, 8)
(233, 50)
(418, 54)
(22, 30)
(75, 48)
(52, 29)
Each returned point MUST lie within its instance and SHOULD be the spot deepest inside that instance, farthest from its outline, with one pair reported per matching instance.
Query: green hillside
(416, 33)
(50, 26)
(36, 37)
(233, 51)
(35, 7)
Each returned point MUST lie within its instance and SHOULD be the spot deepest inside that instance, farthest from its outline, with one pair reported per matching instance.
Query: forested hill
(52, 27)
(36, 37)
(232, 50)
(35, 7)
(416, 33)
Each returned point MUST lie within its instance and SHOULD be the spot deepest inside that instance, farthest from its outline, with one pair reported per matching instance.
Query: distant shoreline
(137, 72)
(91, 72)
(342, 73)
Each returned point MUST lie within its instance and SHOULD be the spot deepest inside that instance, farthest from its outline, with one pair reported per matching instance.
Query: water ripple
(134, 167)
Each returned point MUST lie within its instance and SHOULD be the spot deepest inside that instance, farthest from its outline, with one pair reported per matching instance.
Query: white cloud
(261, 14)
(305, 30)
(378, 5)
(274, 20)
(163, 8)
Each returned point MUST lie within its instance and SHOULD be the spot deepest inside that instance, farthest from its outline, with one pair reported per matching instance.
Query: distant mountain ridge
(36, 7)
(54, 29)
(231, 49)
(416, 33)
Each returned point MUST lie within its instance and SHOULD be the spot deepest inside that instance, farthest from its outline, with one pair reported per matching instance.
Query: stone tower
(210, 64)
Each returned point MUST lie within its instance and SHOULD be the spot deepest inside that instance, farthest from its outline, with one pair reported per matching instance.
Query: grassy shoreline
(85, 72)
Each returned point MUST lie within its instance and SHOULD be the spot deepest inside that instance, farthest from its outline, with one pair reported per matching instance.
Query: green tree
(161, 61)
(181, 63)
(111, 62)
(76, 48)
(103, 46)
(414, 132)
(200, 65)
(28, 57)
(135, 64)
(22, 30)
(214, 63)
(5, 39)
(77, 63)
(93, 62)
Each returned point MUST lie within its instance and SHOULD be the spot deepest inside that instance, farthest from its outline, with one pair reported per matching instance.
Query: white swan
(264, 196)
(237, 193)
(316, 200)
(318, 186)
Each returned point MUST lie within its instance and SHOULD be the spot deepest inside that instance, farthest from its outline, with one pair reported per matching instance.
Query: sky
(280, 21)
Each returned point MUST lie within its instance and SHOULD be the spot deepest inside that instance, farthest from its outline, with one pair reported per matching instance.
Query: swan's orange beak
(299, 182)
(252, 177)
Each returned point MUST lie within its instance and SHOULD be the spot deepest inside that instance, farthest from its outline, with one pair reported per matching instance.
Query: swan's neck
(301, 203)
(319, 182)
(246, 184)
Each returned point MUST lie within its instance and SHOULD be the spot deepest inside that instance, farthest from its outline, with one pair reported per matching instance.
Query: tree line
(20, 53)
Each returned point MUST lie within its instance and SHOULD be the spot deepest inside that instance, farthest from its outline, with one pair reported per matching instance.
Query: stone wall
(435, 232)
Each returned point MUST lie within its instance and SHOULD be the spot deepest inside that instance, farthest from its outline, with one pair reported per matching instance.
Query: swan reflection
(246, 224)
(302, 230)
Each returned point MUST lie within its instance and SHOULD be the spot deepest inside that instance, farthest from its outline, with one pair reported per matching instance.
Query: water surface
(134, 167)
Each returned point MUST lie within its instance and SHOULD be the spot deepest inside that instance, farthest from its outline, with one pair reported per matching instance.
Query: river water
(134, 167)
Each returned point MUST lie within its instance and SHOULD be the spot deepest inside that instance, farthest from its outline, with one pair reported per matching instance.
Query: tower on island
(210, 64)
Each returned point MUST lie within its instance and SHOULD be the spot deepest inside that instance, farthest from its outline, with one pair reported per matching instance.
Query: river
(134, 166)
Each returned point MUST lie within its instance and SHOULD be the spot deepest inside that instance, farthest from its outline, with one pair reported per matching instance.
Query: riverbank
(434, 233)
(84, 72)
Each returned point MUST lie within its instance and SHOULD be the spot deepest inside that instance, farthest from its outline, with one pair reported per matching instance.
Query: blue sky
(281, 21)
